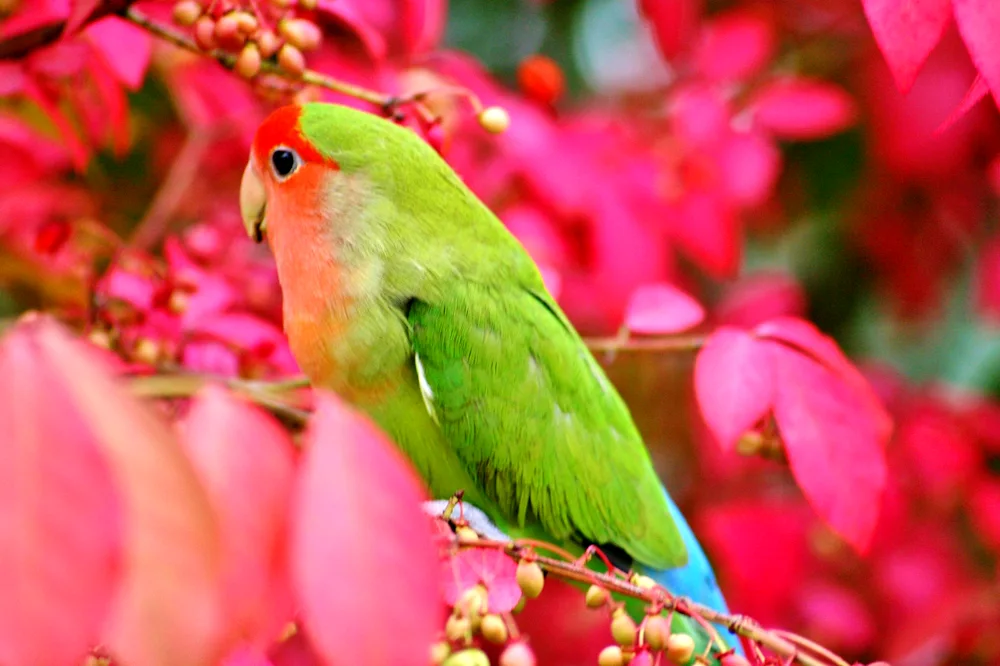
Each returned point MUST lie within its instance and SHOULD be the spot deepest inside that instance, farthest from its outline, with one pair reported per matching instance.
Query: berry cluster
(260, 31)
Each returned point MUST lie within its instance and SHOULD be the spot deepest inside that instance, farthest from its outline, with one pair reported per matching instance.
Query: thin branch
(228, 60)
(617, 343)
(657, 597)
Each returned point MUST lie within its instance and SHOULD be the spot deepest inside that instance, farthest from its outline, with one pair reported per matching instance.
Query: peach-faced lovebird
(405, 295)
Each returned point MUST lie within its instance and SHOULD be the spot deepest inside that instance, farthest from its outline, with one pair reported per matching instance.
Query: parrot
(405, 295)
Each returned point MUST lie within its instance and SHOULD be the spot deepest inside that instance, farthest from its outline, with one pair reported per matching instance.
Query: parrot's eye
(284, 161)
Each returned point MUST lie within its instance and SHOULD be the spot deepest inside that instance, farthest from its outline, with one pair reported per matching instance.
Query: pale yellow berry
(530, 578)
(623, 628)
(517, 654)
(611, 656)
(186, 12)
(267, 42)
(291, 60)
(466, 534)
(494, 629)
(656, 632)
(457, 628)
(520, 605)
(300, 33)
(472, 603)
(100, 338)
(308, 5)
(643, 582)
(680, 648)
(596, 596)
(439, 652)
(204, 33)
(469, 657)
(247, 22)
(248, 63)
(494, 119)
(146, 351)
(227, 32)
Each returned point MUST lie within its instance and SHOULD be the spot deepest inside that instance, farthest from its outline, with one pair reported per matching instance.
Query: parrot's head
(286, 170)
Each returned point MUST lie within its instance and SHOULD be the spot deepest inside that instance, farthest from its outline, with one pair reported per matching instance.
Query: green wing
(536, 421)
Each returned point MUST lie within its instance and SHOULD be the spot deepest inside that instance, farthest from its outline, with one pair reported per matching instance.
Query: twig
(177, 184)
(265, 394)
(617, 343)
(228, 60)
(571, 571)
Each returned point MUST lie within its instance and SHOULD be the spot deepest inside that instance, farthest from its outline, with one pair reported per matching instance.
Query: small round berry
(466, 534)
(732, 658)
(596, 596)
(248, 63)
(750, 443)
(267, 42)
(643, 582)
(469, 657)
(656, 632)
(494, 629)
(530, 578)
(147, 351)
(472, 603)
(520, 605)
(204, 33)
(494, 119)
(680, 648)
(517, 654)
(291, 60)
(100, 337)
(611, 656)
(308, 5)
(247, 23)
(541, 79)
(300, 33)
(623, 628)
(457, 628)
(440, 652)
(186, 12)
(227, 32)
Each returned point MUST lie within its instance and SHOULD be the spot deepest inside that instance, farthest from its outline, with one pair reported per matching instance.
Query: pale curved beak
(253, 203)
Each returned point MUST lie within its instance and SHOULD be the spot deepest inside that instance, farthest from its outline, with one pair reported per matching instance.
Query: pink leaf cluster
(832, 425)
(252, 537)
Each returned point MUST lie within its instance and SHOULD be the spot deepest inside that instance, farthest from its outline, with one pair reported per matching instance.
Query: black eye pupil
(283, 161)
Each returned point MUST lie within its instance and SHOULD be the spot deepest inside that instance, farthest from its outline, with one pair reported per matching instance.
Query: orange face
(283, 171)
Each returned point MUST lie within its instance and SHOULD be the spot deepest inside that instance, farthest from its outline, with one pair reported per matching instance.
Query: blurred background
(757, 154)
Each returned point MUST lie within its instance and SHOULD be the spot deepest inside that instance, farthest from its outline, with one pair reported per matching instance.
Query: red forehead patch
(281, 128)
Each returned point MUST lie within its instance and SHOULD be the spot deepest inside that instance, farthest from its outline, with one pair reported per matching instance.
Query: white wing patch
(425, 389)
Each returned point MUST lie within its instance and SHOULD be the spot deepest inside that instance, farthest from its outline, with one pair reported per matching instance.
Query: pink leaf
(735, 46)
(906, 32)
(805, 337)
(979, 24)
(831, 442)
(750, 164)
(60, 541)
(673, 21)
(167, 610)
(79, 13)
(977, 91)
(661, 309)
(33, 15)
(125, 48)
(423, 23)
(492, 569)
(733, 382)
(245, 656)
(705, 227)
(236, 448)
(363, 559)
(799, 108)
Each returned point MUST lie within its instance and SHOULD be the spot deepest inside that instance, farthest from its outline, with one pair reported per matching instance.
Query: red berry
(541, 79)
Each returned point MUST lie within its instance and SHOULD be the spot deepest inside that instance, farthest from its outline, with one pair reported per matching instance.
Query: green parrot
(405, 294)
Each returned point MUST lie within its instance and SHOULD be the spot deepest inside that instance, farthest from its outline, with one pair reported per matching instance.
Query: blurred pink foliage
(881, 541)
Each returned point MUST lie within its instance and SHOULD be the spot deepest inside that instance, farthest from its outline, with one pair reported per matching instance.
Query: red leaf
(125, 48)
(363, 559)
(734, 46)
(805, 337)
(60, 519)
(977, 91)
(979, 24)
(236, 447)
(749, 165)
(423, 23)
(661, 309)
(906, 32)
(673, 21)
(495, 570)
(832, 444)
(167, 610)
(733, 382)
(705, 227)
(33, 15)
(78, 15)
(984, 509)
(799, 108)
